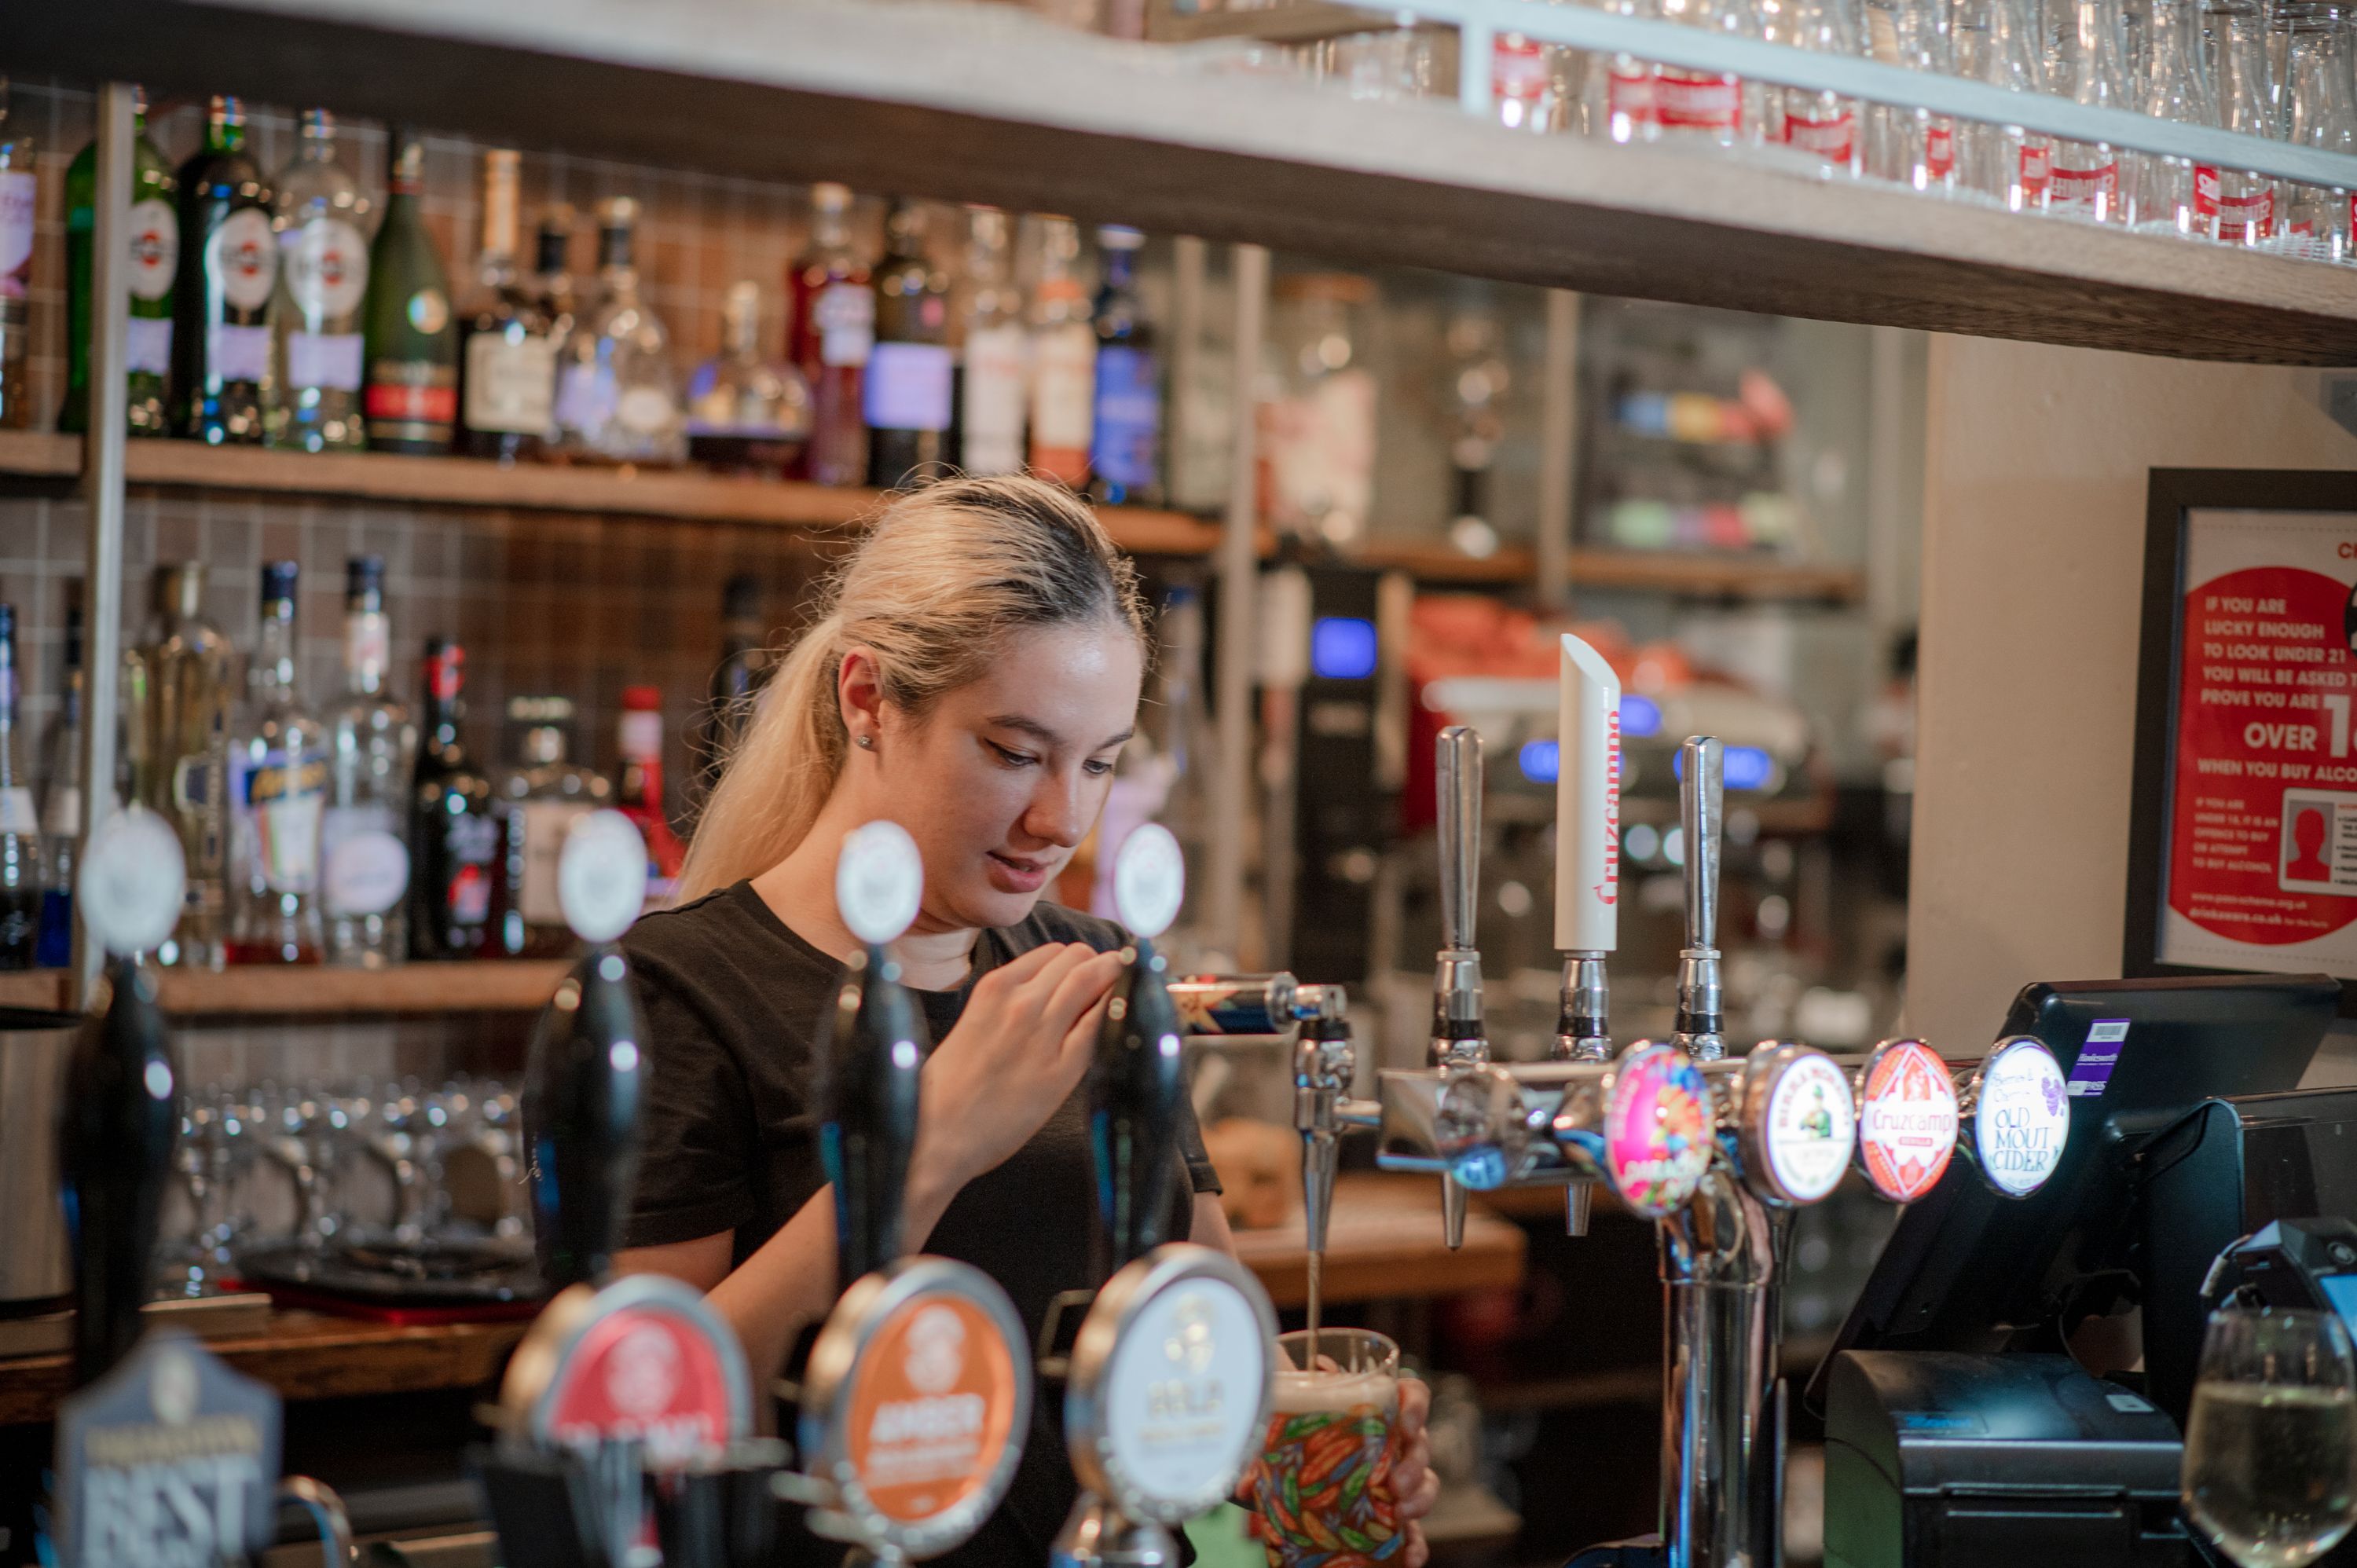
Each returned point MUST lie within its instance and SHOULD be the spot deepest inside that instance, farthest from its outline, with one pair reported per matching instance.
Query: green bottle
(221, 306)
(155, 259)
(412, 400)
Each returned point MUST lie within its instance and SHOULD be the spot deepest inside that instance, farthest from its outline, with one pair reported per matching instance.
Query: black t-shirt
(733, 1000)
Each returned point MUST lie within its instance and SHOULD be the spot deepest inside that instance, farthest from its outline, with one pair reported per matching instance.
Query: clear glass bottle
(2323, 115)
(1317, 413)
(745, 414)
(316, 349)
(2240, 205)
(1998, 42)
(371, 751)
(831, 317)
(910, 390)
(155, 262)
(20, 823)
(453, 832)
(19, 199)
(507, 364)
(278, 792)
(540, 797)
(2084, 177)
(1126, 448)
(2164, 197)
(229, 267)
(1616, 100)
(62, 807)
(994, 369)
(616, 393)
(1063, 359)
(188, 672)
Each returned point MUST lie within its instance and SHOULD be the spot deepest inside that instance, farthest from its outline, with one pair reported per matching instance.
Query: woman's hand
(1414, 1482)
(1015, 1055)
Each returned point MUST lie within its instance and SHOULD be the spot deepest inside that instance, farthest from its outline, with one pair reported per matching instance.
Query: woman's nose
(1056, 813)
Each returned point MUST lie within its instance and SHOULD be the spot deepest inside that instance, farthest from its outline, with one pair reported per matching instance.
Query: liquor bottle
(453, 832)
(2240, 206)
(2323, 115)
(412, 344)
(539, 799)
(1063, 359)
(278, 793)
(994, 381)
(371, 750)
(19, 192)
(2083, 180)
(1125, 446)
(507, 367)
(744, 665)
(1998, 42)
(907, 393)
(155, 259)
(2163, 198)
(20, 825)
(61, 809)
(641, 797)
(318, 353)
(832, 309)
(221, 301)
(616, 397)
(186, 778)
(746, 414)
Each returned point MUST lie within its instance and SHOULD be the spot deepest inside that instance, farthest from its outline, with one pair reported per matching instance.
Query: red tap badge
(932, 1407)
(1907, 1121)
(641, 1371)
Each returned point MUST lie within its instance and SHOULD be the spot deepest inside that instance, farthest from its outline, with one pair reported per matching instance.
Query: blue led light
(1740, 766)
(1541, 760)
(1342, 648)
(1640, 716)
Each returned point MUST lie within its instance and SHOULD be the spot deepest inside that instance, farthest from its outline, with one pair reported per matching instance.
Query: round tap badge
(1809, 1126)
(1182, 1397)
(601, 876)
(132, 878)
(1149, 879)
(1657, 1129)
(933, 1403)
(2023, 1118)
(654, 1363)
(1907, 1120)
(878, 879)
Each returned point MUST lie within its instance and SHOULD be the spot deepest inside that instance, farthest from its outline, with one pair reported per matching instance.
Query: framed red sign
(2243, 829)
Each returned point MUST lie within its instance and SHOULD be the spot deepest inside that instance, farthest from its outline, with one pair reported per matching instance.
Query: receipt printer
(1938, 1459)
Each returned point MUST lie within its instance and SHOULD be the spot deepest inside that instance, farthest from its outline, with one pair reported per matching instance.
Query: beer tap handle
(1701, 1020)
(1139, 1079)
(1587, 851)
(874, 1049)
(1323, 1067)
(1457, 1023)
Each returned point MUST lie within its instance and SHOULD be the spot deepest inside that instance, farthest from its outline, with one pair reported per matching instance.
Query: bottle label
(1629, 99)
(155, 247)
(585, 397)
(364, 867)
(995, 392)
(327, 271)
(283, 806)
(545, 824)
(2037, 168)
(242, 257)
(238, 353)
(1831, 136)
(908, 387)
(1940, 148)
(368, 643)
(846, 313)
(473, 841)
(1064, 387)
(19, 188)
(2244, 216)
(641, 736)
(645, 410)
(1687, 100)
(1129, 417)
(408, 401)
(16, 813)
(147, 345)
(511, 382)
(1518, 69)
(2093, 188)
(327, 360)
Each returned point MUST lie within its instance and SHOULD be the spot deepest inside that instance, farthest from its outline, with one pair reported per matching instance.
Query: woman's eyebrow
(1042, 732)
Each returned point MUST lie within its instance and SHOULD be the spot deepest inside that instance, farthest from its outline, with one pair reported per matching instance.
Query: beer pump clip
(917, 1394)
(1168, 1388)
(164, 1454)
(614, 1379)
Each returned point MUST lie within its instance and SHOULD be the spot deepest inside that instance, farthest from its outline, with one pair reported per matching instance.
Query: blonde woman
(973, 677)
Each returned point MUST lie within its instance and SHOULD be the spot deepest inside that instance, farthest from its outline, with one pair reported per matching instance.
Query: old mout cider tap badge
(2262, 870)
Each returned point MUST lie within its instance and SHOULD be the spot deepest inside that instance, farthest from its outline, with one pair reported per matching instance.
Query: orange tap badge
(932, 1407)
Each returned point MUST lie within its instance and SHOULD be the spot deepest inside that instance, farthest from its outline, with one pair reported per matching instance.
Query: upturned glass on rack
(2164, 197)
(2317, 219)
(2239, 207)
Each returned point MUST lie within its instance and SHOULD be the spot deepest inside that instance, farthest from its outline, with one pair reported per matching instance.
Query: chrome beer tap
(1459, 1037)
(1702, 1021)
(1587, 865)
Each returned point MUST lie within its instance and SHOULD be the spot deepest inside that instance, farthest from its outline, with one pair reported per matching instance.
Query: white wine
(2271, 1470)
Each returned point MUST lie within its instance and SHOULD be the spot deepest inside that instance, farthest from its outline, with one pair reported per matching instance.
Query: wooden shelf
(978, 103)
(1670, 572)
(494, 985)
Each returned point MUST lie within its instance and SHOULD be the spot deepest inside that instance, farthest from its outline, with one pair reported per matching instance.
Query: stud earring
(868, 743)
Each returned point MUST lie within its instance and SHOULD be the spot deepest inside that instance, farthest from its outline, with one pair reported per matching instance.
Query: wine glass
(2271, 1447)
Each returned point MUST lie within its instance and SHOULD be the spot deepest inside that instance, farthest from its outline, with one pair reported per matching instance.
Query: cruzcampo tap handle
(874, 1047)
(121, 1116)
(587, 1071)
(1138, 1081)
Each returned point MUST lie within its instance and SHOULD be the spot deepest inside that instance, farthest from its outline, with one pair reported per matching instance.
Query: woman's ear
(859, 695)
